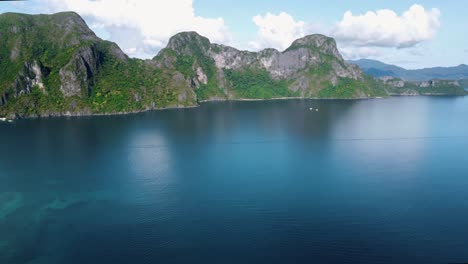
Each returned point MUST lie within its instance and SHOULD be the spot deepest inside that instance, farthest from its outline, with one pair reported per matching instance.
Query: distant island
(379, 69)
(55, 65)
(427, 81)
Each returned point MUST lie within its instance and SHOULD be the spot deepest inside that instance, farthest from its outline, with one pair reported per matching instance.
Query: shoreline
(88, 114)
(289, 98)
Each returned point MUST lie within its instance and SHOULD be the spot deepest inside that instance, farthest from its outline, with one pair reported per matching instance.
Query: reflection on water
(237, 182)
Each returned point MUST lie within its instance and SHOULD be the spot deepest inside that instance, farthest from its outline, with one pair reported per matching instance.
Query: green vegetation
(118, 85)
(439, 88)
(209, 90)
(349, 88)
(134, 85)
(103, 80)
(53, 46)
(464, 83)
(434, 87)
(187, 64)
(346, 88)
(48, 46)
(308, 44)
(184, 64)
(257, 84)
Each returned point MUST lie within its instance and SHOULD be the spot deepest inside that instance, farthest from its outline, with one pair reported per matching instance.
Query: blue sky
(406, 33)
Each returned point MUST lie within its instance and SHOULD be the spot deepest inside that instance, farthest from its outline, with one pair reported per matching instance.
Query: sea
(281, 181)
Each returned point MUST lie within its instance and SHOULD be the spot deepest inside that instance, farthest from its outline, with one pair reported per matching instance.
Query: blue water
(368, 181)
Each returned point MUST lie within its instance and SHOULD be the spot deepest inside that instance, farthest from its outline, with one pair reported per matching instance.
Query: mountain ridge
(54, 65)
(293, 64)
(380, 69)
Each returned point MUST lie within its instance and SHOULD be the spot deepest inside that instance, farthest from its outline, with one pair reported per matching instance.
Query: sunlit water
(369, 181)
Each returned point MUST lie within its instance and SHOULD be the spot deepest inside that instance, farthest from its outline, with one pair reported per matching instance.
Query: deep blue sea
(358, 181)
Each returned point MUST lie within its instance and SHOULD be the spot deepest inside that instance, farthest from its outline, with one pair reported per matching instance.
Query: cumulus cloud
(141, 27)
(385, 28)
(277, 31)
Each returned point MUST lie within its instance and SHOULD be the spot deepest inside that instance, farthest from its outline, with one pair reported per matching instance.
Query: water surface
(367, 181)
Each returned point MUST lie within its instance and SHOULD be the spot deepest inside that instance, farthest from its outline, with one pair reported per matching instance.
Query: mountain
(380, 69)
(396, 86)
(50, 63)
(464, 83)
(310, 67)
(53, 65)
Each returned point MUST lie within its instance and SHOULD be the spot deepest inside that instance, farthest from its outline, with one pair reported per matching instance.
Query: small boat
(10, 121)
(311, 109)
(3, 119)
(316, 110)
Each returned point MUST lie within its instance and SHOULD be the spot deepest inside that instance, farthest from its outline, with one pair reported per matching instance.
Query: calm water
(371, 181)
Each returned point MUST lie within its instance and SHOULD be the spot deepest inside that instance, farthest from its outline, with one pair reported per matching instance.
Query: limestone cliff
(310, 65)
(55, 65)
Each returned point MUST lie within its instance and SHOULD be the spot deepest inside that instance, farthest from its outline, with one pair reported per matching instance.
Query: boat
(3, 119)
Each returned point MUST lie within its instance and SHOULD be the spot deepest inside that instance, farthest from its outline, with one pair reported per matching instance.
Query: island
(55, 65)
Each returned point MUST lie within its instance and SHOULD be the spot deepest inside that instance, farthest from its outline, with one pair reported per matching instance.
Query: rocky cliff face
(77, 76)
(55, 56)
(31, 75)
(309, 65)
(55, 65)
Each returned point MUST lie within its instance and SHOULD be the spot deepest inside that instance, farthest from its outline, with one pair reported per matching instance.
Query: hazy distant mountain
(54, 65)
(464, 83)
(380, 69)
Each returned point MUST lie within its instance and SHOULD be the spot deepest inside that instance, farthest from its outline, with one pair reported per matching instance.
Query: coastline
(289, 98)
(90, 114)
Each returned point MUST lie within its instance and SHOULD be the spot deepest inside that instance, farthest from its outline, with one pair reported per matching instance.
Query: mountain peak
(61, 16)
(316, 42)
(58, 54)
(56, 26)
(185, 41)
(313, 39)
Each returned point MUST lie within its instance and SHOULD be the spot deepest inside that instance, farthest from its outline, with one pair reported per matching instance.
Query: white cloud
(141, 27)
(277, 31)
(385, 28)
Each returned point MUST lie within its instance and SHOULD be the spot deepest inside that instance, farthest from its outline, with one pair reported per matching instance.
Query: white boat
(3, 119)
(10, 121)
(311, 109)
(316, 110)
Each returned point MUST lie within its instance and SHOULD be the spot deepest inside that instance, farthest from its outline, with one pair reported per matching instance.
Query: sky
(405, 33)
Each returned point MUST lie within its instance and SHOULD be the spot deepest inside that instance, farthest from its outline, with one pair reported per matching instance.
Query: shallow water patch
(9, 203)
(68, 200)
